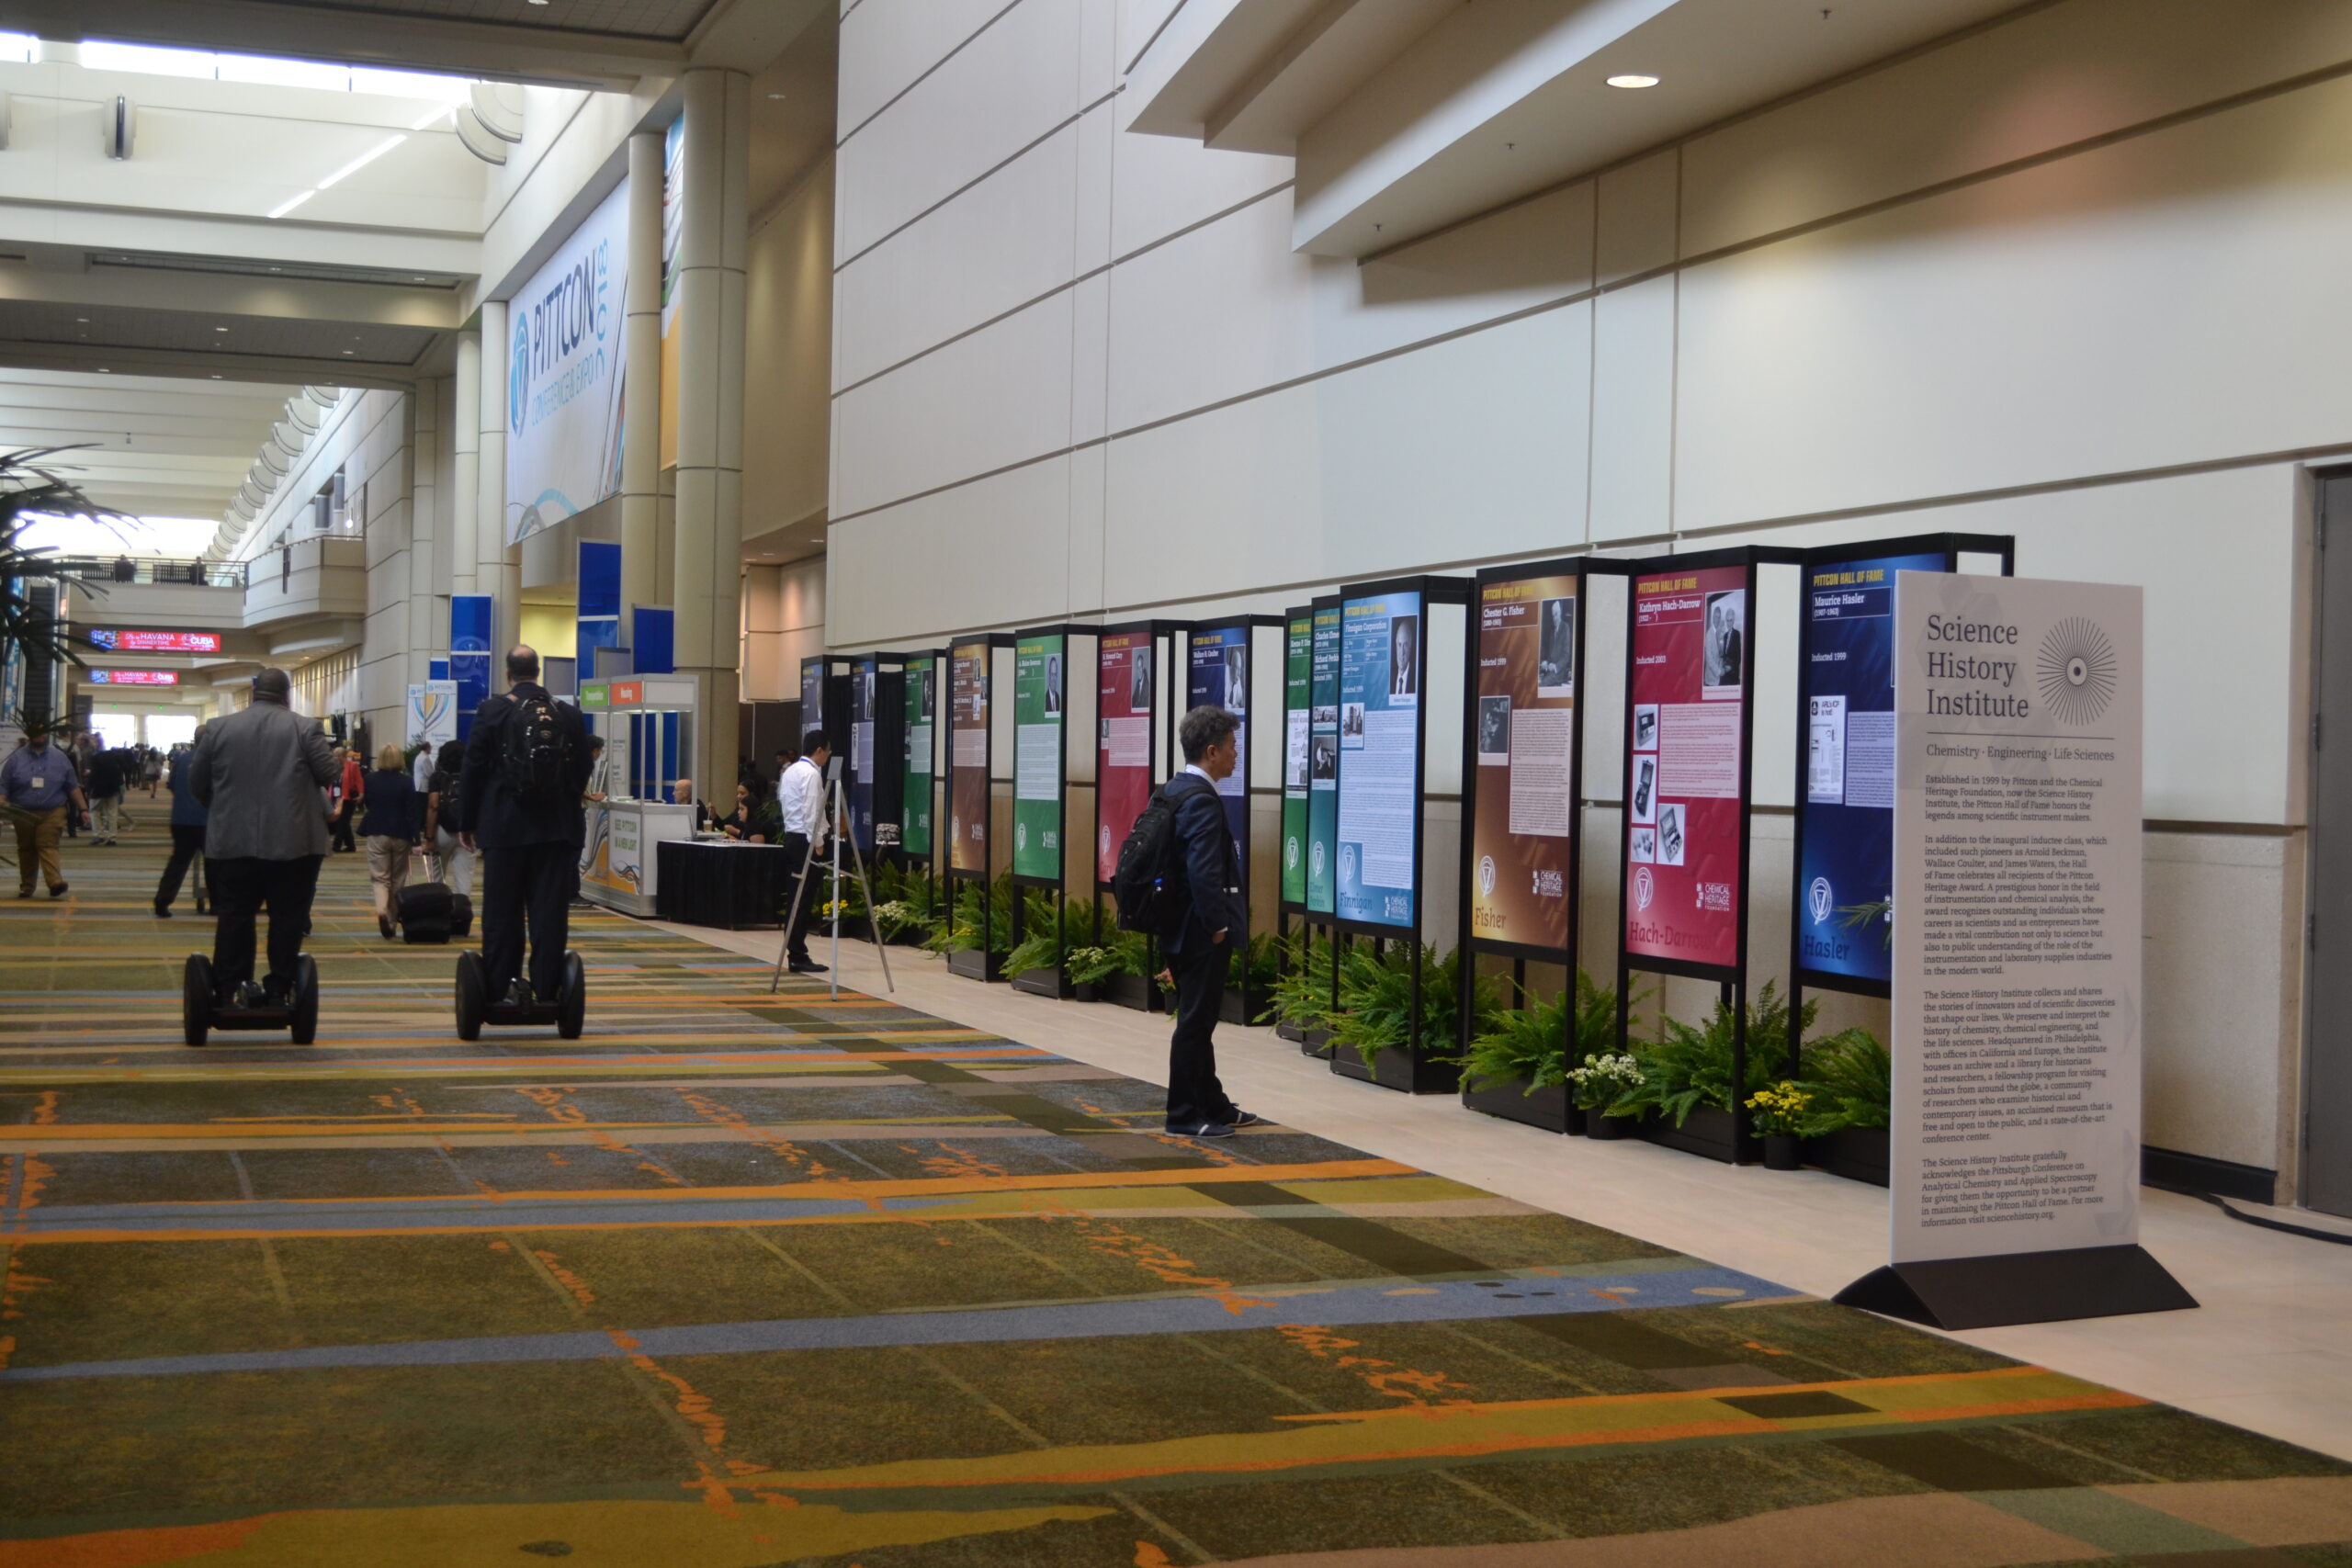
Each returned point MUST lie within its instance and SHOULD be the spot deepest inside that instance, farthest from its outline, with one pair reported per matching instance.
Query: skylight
(173, 538)
(260, 69)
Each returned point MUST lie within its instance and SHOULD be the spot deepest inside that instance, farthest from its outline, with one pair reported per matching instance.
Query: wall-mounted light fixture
(120, 129)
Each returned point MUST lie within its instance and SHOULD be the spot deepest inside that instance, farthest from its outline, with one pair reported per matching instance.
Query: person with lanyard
(259, 774)
(41, 783)
(188, 820)
(801, 797)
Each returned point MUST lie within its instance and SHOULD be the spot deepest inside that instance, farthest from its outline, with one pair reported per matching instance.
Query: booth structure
(648, 724)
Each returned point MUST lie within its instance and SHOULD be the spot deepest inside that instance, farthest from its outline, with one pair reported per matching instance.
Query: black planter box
(1135, 991)
(1857, 1154)
(1547, 1107)
(1043, 983)
(974, 965)
(1399, 1070)
(1707, 1132)
(1313, 1042)
(1289, 1030)
(1240, 1006)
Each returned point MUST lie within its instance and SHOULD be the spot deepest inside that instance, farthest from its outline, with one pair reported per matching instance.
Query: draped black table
(723, 883)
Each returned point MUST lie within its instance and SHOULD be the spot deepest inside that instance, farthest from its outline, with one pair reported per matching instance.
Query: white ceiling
(164, 446)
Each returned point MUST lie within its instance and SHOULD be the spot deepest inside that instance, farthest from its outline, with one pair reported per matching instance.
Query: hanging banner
(968, 758)
(673, 225)
(863, 674)
(1686, 790)
(812, 697)
(1846, 690)
(566, 366)
(1219, 678)
(922, 713)
(599, 602)
(1380, 698)
(470, 635)
(1123, 742)
(2018, 1009)
(433, 711)
(1297, 670)
(1323, 762)
(1037, 757)
(1524, 748)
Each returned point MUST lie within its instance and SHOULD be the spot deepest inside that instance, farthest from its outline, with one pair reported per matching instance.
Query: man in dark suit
(261, 775)
(529, 841)
(1202, 894)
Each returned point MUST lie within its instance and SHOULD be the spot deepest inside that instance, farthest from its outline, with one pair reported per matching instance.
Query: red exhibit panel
(1123, 764)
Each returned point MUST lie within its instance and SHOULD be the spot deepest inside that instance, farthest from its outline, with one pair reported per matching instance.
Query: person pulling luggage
(258, 774)
(526, 765)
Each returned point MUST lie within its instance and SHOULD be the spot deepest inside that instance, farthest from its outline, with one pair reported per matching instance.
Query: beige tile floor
(2270, 1348)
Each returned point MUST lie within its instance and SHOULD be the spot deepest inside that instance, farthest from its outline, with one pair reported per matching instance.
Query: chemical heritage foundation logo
(1645, 887)
(1819, 899)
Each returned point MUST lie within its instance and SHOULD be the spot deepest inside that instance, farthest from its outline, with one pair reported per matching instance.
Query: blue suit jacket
(1205, 880)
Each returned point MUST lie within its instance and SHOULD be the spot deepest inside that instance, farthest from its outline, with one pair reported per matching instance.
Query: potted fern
(1848, 1078)
(1040, 961)
(1601, 1084)
(1301, 996)
(1688, 1075)
(1091, 968)
(1379, 1037)
(1252, 971)
(977, 929)
(1518, 1068)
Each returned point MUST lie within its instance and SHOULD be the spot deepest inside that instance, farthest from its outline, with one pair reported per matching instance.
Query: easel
(836, 813)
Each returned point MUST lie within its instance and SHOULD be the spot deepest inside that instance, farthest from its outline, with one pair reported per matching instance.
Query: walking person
(40, 781)
(259, 773)
(1201, 893)
(106, 795)
(446, 855)
(800, 799)
(393, 819)
(188, 818)
(346, 793)
(526, 764)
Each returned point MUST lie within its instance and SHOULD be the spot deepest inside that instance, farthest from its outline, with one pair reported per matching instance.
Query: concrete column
(641, 438)
(465, 476)
(498, 567)
(428, 612)
(708, 552)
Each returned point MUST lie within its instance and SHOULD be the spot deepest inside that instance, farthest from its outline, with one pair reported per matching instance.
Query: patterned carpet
(741, 1279)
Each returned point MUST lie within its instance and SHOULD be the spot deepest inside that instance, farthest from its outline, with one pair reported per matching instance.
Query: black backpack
(531, 751)
(1140, 881)
(446, 782)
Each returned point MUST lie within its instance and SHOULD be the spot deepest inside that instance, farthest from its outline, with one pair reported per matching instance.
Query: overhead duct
(118, 128)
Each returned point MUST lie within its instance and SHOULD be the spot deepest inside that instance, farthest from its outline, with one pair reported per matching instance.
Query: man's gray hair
(1204, 728)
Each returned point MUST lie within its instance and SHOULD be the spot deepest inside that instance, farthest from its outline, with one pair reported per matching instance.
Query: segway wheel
(196, 999)
(571, 1010)
(473, 996)
(305, 1022)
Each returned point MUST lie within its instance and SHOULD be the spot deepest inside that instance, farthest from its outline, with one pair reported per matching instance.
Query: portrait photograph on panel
(1721, 654)
(1237, 680)
(1494, 730)
(1140, 680)
(1404, 656)
(1053, 682)
(1556, 649)
(1323, 758)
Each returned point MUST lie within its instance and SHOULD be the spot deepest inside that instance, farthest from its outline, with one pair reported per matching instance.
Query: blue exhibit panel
(1220, 677)
(1846, 690)
(1380, 740)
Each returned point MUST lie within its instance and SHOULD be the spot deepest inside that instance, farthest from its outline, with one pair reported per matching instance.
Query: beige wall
(784, 622)
(787, 318)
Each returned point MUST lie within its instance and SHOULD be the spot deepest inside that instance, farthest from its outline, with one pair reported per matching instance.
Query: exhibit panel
(863, 712)
(1380, 760)
(1216, 674)
(1298, 641)
(1038, 772)
(1323, 758)
(920, 699)
(2018, 1002)
(967, 763)
(1523, 765)
(1126, 753)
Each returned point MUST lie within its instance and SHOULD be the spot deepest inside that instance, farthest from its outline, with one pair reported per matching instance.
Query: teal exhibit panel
(1323, 758)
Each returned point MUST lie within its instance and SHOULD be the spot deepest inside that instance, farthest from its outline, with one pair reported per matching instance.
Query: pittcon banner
(566, 372)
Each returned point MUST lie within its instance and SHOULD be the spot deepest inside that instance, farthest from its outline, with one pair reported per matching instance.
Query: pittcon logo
(1820, 899)
(1645, 887)
(1487, 874)
(518, 373)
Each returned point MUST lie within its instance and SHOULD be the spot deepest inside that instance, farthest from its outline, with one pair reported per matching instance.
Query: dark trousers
(187, 844)
(536, 880)
(240, 890)
(796, 851)
(1194, 1095)
(343, 838)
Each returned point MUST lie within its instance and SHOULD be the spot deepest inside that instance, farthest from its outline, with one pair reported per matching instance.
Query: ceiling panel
(150, 444)
(50, 324)
(671, 20)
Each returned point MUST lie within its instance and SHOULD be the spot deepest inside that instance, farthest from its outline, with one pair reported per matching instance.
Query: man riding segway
(260, 774)
(526, 765)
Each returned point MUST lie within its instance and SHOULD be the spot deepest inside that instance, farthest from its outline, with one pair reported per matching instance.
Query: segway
(568, 1009)
(201, 1011)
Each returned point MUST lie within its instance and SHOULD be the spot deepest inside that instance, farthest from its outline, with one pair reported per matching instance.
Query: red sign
(1123, 759)
(627, 694)
(1687, 786)
(156, 642)
(134, 677)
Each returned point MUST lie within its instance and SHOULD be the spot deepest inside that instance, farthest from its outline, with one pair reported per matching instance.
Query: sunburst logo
(2075, 671)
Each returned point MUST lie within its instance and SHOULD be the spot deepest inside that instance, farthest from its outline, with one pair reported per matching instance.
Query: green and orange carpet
(742, 1279)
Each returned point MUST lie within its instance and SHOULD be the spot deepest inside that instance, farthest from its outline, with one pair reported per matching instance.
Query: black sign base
(2019, 1287)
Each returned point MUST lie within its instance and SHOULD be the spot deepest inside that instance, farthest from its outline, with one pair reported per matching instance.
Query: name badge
(40, 783)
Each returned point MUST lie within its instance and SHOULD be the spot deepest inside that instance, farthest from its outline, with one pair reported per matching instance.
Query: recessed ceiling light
(220, 328)
(84, 321)
(104, 371)
(775, 97)
(1632, 79)
(346, 351)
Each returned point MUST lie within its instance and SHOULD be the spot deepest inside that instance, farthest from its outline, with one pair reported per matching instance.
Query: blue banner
(599, 604)
(470, 637)
(655, 641)
(1380, 740)
(1846, 690)
(1219, 678)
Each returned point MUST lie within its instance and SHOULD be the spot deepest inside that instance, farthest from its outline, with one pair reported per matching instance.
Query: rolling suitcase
(429, 912)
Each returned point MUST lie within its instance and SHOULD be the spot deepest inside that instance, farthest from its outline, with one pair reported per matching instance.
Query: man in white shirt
(801, 797)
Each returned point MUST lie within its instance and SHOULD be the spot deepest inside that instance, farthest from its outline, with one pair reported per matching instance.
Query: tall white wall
(2077, 278)
(784, 622)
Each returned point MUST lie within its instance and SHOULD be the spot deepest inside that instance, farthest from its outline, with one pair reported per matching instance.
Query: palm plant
(30, 489)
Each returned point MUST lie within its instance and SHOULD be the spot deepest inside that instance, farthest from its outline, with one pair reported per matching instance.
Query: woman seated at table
(756, 819)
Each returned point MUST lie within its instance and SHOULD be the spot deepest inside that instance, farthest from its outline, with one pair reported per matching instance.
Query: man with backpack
(526, 765)
(1179, 876)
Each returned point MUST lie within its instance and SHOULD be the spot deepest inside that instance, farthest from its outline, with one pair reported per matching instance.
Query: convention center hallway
(741, 1279)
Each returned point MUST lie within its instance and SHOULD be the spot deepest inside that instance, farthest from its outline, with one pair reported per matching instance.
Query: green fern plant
(1848, 1082)
(1049, 940)
(1534, 1044)
(1301, 990)
(1376, 1011)
(1691, 1067)
(973, 918)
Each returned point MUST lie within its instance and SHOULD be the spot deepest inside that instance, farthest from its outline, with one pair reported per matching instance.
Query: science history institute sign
(1687, 772)
(2017, 1008)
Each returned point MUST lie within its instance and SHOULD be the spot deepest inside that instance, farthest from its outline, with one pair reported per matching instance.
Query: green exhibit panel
(1054, 797)
(919, 770)
(977, 667)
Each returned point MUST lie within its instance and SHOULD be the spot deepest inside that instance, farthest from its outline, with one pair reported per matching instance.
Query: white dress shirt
(801, 795)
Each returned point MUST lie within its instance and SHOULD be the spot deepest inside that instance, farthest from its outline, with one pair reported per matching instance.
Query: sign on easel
(2018, 1000)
